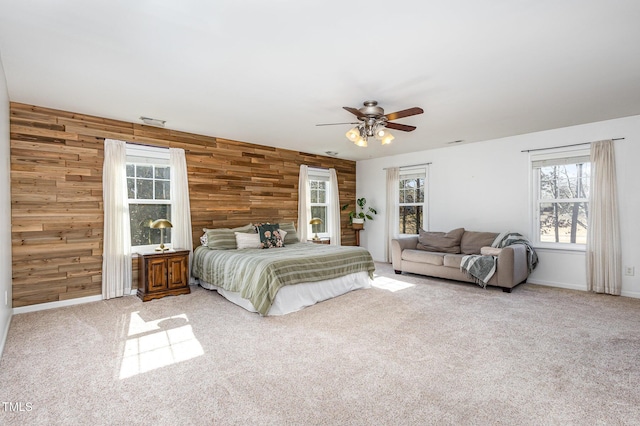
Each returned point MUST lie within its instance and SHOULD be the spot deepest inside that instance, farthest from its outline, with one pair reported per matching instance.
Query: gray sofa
(438, 254)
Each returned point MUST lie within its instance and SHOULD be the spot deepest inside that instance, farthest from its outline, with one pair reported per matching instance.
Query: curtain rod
(411, 165)
(147, 145)
(566, 146)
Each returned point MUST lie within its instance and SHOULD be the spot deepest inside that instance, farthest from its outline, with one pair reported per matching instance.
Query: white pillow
(244, 240)
(282, 233)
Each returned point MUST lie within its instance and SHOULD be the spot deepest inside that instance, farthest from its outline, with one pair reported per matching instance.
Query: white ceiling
(267, 72)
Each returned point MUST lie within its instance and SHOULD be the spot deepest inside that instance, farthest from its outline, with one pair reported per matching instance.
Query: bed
(282, 280)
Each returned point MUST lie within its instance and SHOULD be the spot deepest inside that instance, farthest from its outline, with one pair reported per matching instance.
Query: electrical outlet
(629, 271)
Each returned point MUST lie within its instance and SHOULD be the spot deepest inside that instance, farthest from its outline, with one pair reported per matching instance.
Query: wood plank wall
(56, 193)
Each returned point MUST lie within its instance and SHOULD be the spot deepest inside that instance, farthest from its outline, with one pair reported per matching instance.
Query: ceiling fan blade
(404, 113)
(355, 112)
(401, 127)
(333, 124)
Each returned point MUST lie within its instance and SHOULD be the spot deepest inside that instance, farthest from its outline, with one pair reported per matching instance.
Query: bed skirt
(292, 298)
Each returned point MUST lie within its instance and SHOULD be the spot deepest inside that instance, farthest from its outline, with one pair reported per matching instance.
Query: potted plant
(361, 214)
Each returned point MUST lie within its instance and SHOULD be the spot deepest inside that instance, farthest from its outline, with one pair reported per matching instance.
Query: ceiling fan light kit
(353, 135)
(357, 136)
(384, 136)
(373, 122)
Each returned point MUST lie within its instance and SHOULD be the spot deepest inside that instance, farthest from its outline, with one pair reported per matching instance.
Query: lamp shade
(161, 223)
(315, 221)
(387, 139)
(381, 133)
(358, 136)
(354, 134)
(384, 136)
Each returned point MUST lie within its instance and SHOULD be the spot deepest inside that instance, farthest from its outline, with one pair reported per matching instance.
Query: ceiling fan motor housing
(372, 109)
(373, 118)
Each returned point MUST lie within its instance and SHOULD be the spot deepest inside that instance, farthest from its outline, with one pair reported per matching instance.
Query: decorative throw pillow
(221, 239)
(292, 236)
(245, 240)
(224, 238)
(270, 236)
(256, 226)
(439, 241)
(203, 239)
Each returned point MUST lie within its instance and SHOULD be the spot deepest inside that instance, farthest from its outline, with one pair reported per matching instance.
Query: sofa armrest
(397, 245)
(512, 266)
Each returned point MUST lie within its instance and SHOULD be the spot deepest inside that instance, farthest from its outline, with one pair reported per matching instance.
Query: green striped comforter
(258, 274)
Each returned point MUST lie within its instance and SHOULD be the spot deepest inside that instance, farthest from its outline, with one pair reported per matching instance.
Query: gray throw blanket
(482, 268)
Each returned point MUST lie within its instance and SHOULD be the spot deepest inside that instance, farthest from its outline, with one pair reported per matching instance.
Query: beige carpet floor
(410, 351)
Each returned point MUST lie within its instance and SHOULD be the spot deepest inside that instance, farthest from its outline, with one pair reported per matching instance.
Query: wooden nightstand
(321, 241)
(163, 274)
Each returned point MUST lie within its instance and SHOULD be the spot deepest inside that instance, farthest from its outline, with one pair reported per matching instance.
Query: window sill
(564, 248)
(135, 250)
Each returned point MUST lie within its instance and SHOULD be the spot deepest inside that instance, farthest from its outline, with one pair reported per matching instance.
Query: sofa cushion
(440, 241)
(421, 256)
(453, 260)
(473, 241)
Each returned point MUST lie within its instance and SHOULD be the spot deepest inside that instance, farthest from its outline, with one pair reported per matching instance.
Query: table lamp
(161, 224)
(314, 226)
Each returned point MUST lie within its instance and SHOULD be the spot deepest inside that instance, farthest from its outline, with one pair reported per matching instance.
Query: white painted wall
(5, 212)
(485, 186)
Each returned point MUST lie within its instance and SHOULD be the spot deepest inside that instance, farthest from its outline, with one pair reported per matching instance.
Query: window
(148, 188)
(320, 200)
(561, 198)
(411, 201)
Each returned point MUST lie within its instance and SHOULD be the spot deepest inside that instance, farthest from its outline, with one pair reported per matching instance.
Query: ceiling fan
(373, 122)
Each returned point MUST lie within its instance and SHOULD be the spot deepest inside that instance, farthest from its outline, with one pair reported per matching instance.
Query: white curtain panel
(181, 233)
(392, 214)
(116, 256)
(304, 204)
(604, 263)
(334, 211)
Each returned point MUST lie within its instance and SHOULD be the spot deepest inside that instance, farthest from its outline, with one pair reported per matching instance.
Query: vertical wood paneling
(56, 193)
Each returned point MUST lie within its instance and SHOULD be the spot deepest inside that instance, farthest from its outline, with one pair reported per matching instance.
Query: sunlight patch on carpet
(386, 283)
(157, 343)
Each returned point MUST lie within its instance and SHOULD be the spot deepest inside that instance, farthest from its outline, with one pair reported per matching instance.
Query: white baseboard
(62, 303)
(3, 338)
(58, 304)
(559, 285)
(633, 294)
